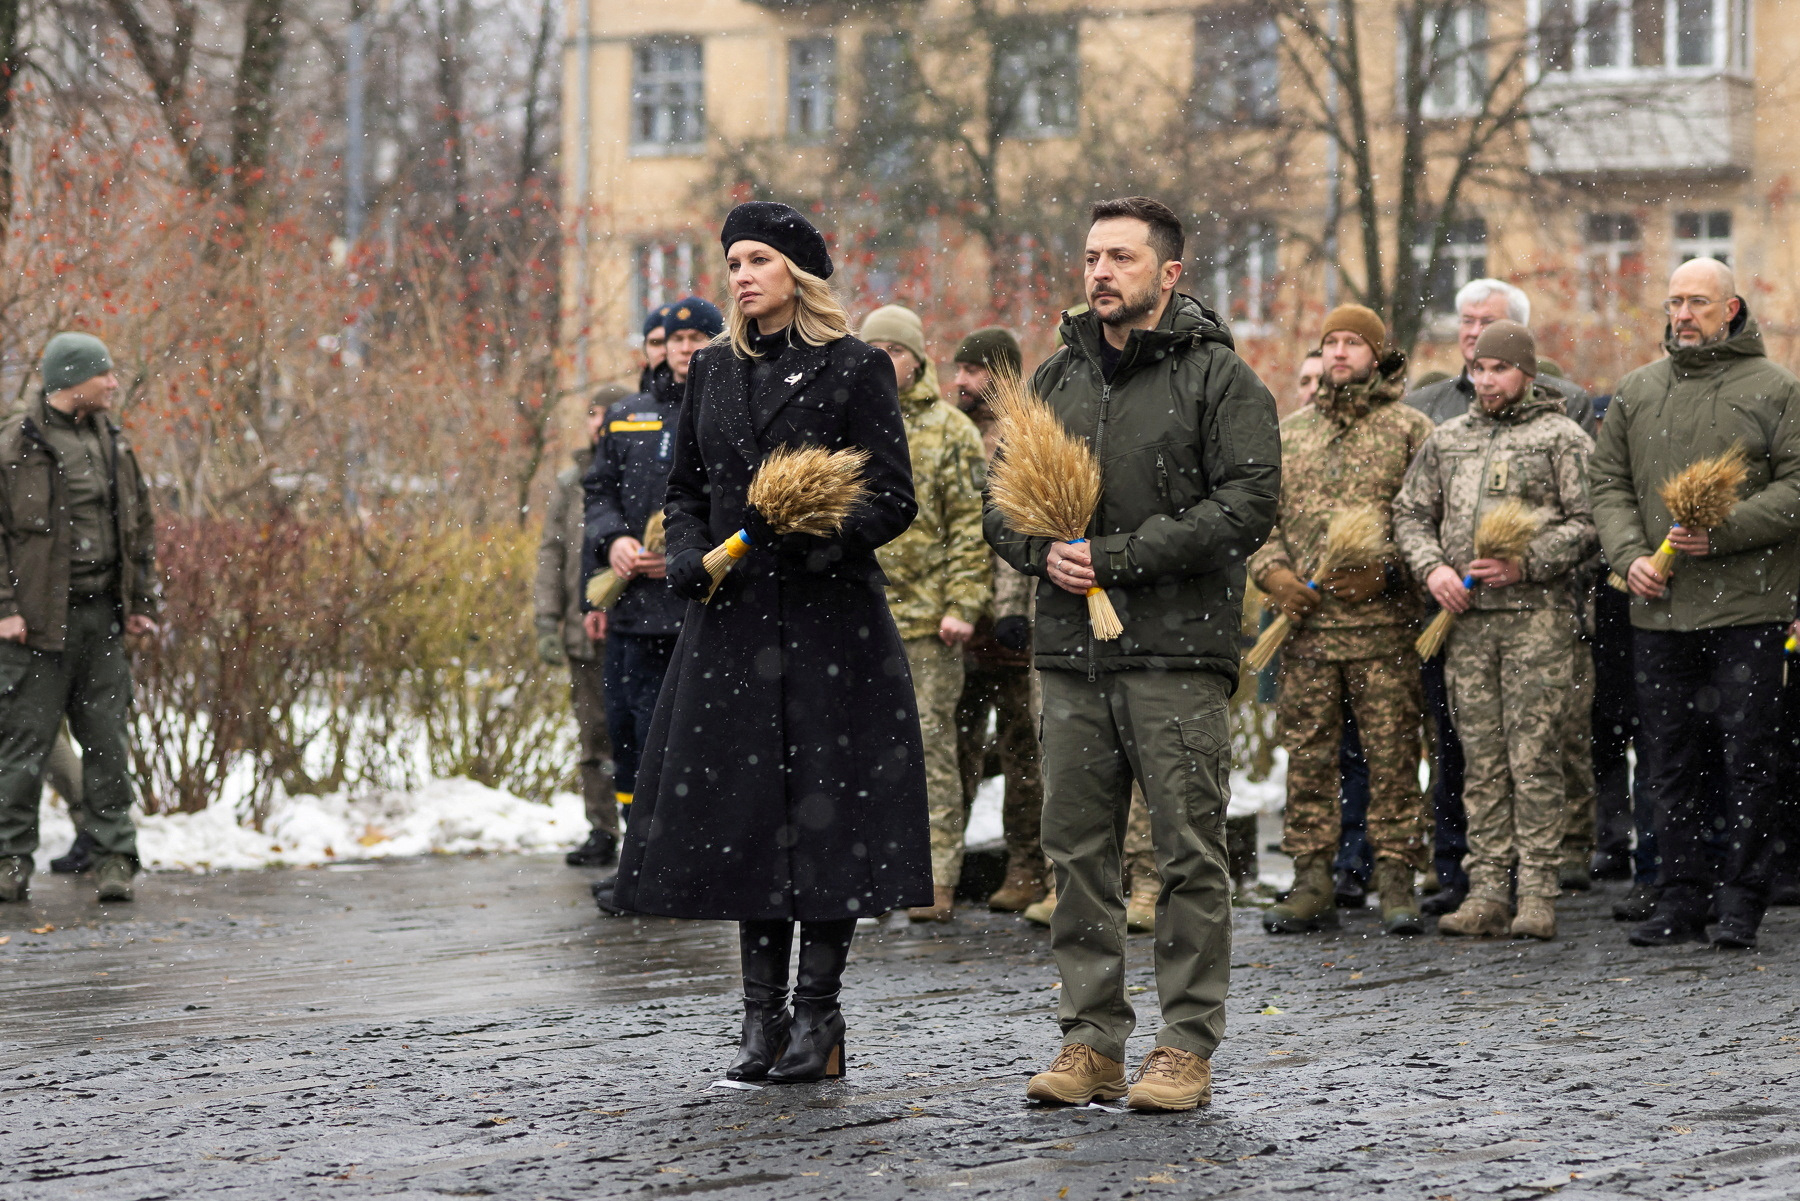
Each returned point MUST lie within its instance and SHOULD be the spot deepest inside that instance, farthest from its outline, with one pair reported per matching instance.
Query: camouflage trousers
(1386, 698)
(1140, 853)
(1005, 693)
(1511, 674)
(937, 674)
(1578, 763)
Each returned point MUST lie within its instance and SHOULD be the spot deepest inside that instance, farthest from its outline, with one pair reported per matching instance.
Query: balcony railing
(1666, 125)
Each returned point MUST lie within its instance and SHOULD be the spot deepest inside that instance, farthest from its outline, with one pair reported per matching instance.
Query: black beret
(781, 226)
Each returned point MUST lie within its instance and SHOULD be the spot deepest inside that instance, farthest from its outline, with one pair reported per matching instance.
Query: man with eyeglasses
(1707, 638)
(1480, 303)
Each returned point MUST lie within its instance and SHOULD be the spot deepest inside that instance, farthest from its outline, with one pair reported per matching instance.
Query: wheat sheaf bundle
(1354, 537)
(1504, 533)
(798, 490)
(1046, 482)
(1700, 497)
(605, 589)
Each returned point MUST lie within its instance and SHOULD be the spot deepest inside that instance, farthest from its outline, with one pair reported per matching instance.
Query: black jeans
(635, 666)
(1450, 822)
(1725, 683)
(1618, 808)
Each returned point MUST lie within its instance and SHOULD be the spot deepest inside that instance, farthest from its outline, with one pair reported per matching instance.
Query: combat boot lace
(1399, 912)
(1312, 905)
(112, 873)
(1171, 1079)
(1536, 919)
(1021, 889)
(1079, 1075)
(15, 878)
(1477, 917)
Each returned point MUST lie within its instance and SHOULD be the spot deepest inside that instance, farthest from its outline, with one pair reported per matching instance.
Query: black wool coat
(783, 776)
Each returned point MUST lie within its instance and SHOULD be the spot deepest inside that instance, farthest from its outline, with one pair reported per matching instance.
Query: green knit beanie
(992, 346)
(73, 359)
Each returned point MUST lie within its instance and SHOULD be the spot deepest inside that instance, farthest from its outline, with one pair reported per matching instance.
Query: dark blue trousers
(635, 666)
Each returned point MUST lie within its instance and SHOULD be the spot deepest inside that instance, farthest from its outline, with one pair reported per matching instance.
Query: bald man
(1707, 637)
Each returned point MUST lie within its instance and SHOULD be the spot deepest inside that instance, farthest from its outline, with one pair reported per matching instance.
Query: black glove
(762, 534)
(1013, 633)
(688, 575)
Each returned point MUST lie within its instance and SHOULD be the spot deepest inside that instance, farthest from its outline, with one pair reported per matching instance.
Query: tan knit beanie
(1511, 343)
(893, 323)
(1360, 320)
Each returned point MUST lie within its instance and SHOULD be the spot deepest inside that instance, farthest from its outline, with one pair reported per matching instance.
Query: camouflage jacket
(1529, 450)
(939, 566)
(1350, 446)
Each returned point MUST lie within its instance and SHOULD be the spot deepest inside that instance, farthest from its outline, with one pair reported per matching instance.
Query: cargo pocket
(1206, 747)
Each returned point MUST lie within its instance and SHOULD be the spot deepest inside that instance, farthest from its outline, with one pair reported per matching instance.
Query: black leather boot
(815, 1049)
(764, 949)
(1679, 916)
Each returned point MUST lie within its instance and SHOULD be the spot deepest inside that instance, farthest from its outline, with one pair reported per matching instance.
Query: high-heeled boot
(763, 947)
(815, 1049)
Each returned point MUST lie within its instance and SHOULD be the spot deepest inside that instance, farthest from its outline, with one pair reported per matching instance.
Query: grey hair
(1518, 305)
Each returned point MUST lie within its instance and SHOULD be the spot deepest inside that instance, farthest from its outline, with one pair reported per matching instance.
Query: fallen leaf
(5, 939)
(1269, 1009)
(809, 1173)
(1682, 1129)
(1159, 1178)
(42, 929)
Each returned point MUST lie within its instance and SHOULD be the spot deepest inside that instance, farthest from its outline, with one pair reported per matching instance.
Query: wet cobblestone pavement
(468, 1027)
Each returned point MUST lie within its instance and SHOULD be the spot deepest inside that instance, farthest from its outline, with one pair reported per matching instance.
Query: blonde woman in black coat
(783, 779)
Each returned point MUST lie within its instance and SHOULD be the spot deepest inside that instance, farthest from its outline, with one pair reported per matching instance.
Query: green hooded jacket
(1190, 458)
(1692, 405)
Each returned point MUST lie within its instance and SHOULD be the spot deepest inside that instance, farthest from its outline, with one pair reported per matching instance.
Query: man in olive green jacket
(1191, 464)
(1707, 639)
(77, 573)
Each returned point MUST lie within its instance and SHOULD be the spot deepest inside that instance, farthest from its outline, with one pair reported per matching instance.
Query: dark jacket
(783, 776)
(1190, 455)
(624, 486)
(1452, 397)
(35, 551)
(556, 592)
(1692, 405)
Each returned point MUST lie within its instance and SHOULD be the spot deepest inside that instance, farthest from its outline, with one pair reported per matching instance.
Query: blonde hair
(819, 317)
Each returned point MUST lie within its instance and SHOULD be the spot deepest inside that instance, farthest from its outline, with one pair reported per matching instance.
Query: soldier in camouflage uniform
(1353, 638)
(1511, 652)
(939, 581)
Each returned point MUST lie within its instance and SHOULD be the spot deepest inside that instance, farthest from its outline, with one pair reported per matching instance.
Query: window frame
(1261, 36)
(1607, 258)
(819, 85)
(1731, 40)
(1462, 252)
(1017, 45)
(652, 254)
(1705, 244)
(1468, 60)
(1242, 269)
(662, 78)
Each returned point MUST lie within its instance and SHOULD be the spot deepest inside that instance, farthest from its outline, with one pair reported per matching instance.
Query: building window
(1612, 256)
(1037, 82)
(1237, 68)
(668, 104)
(1617, 37)
(889, 87)
(1455, 61)
(1238, 276)
(812, 88)
(1461, 257)
(1703, 236)
(662, 271)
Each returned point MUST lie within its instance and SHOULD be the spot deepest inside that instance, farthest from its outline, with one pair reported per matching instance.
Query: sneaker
(79, 858)
(112, 873)
(15, 878)
(1171, 1079)
(600, 850)
(1039, 914)
(1079, 1075)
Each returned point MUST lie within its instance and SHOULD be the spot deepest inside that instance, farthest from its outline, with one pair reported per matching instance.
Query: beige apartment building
(950, 146)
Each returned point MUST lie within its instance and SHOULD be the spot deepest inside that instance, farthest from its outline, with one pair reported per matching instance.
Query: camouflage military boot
(1536, 919)
(1312, 905)
(1480, 916)
(1021, 889)
(1140, 908)
(113, 875)
(15, 878)
(1399, 911)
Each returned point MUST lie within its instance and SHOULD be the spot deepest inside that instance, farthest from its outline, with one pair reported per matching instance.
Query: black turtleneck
(769, 349)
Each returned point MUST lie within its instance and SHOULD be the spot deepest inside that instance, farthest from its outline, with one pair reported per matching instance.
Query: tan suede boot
(1079, 1075)
(1140, 909)
(1039, 914)
(1171, 1080)
(942, 908)
(1536, 919)
(1021, 889)
(1477, 917)
(1312, 905)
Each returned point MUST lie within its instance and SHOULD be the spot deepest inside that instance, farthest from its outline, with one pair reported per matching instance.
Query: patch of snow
(985, 821)
(448, 817)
